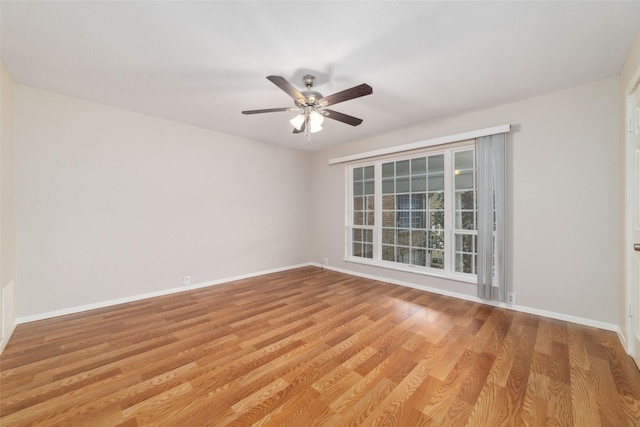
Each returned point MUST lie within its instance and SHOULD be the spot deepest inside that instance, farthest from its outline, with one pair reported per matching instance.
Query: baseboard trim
(102, 304)
(539, 312)
(529, 310)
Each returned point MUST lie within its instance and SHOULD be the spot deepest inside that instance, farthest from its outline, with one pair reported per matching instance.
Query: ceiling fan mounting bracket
(309, 80)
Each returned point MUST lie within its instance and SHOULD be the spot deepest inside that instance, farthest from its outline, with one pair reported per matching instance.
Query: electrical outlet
(511, 298)
(325, 261)
(187, 280)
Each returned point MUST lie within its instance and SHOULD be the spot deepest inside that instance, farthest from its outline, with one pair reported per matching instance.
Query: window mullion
(449, 212)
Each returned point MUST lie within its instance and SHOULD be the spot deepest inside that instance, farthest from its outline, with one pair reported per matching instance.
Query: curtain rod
(423, 144)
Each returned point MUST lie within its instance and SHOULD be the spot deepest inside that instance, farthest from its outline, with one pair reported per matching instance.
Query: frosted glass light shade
(315, 122)
(297, 121)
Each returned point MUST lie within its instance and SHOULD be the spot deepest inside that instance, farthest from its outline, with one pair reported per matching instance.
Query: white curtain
(490, 170)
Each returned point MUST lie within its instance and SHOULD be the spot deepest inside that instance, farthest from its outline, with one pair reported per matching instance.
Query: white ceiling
(203, 62)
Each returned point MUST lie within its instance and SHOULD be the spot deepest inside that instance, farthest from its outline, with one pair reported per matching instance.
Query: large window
(416, 212)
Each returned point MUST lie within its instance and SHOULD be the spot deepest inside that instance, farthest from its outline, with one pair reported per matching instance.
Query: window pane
(358, 203)
(464, 180)
(436, 183)
(403, 219)
(368, 235)
(368, 250)
(371, 202)
(358, 218)
(388, 202)
(418, 183)
(470, 244)
(388, 219)
(388, 170)
(388, 235)
(465, 263)
(388, 186)
(403, 201)
(465, 200)
(466, 243)
(357, 174)
(436, 259)
(465, 220)
(436, 163)
(388, 253)
(418, 166)
(402, 168)
(403, 255)
(403, 237)
(358, 189)
(419, 238)
(464, 160)
(402, 185)
(357, 249)
(368, 172)
(368, 187)
(418, 219)
(418, 201)
(357, 234)
(436, 240)
(419, 257)
(436, 220)
(436, 200)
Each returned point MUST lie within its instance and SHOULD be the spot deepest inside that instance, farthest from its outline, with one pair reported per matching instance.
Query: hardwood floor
(314, 347)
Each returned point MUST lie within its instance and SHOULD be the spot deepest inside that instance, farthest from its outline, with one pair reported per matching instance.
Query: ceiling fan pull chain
(306, 127)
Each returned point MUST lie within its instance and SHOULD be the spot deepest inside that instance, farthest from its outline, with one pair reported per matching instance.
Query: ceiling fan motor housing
(312, 98)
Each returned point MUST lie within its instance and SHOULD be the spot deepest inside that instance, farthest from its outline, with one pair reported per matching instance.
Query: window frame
(448, 272)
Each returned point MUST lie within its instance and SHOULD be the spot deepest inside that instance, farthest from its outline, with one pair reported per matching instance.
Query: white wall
(564, 200)
(113, 204)
(7, 209)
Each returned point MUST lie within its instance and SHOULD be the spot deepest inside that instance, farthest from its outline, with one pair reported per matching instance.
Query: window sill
(423, 271)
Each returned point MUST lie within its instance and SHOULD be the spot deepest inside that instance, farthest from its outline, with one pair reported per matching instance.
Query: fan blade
(270, 110)
(341, 117)
(347, 94)
(283, 84)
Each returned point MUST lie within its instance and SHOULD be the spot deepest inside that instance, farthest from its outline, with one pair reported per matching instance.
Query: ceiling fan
(311, 105)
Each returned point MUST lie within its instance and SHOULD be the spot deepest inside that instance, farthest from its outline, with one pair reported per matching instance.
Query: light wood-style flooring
(312, 347)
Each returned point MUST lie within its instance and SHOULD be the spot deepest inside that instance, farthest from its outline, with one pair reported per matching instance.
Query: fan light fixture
(311, 105)
(310, 119)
